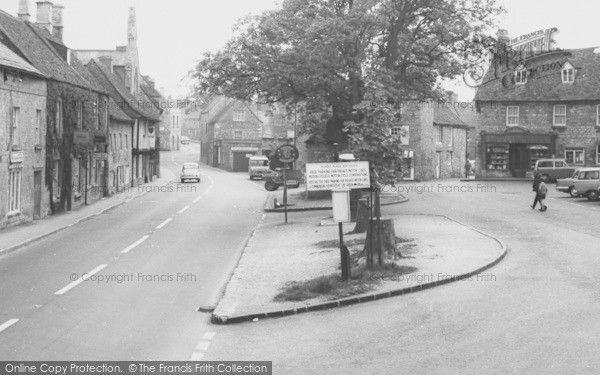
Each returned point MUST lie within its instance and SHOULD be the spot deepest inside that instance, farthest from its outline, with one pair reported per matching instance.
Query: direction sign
(336, 176)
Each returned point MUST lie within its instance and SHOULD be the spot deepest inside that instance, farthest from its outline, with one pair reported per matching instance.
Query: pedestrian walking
(542, 190)
(467, 169)
(537, 178)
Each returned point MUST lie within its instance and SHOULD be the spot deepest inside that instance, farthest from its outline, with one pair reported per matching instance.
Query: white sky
(173, 34)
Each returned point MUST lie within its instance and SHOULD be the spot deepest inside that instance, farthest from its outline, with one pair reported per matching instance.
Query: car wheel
(270, 185)
(571, 193)
(592, 195)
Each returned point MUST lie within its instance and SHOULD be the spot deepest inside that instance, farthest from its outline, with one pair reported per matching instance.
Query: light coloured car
(565, 185)
(258, 167)
(190, 171)
(185, 140)
(588, 183)
(553, 169)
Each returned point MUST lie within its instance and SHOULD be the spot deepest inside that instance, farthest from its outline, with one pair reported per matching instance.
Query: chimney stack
(106, 61)
(24, 10)
(57, 21)
(44, 15)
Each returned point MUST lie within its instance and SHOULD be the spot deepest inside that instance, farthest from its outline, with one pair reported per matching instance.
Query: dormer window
(521, 76)
(568, 73)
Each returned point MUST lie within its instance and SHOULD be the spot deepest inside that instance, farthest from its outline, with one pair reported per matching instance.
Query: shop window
(560, 115)
(497, 157)
(575, 157)
(239, 116)
(14, 191)
(512, 116)
(521, 76)
(568, 73)
(438, 134)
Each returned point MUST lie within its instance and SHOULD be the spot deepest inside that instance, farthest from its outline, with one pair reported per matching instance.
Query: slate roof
(121, 95)
(10, 59)
(30, 40)
(547, 85)
(444, 115)
(118, 57)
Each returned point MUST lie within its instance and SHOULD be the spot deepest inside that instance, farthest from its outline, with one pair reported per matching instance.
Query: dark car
(275, 179)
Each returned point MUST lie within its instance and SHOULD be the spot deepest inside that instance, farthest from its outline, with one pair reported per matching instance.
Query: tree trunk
(388, 237)
(362, 217)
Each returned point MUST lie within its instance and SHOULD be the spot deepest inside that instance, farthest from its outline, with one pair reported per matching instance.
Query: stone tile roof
(545, 82)
(30, 40)
(121, 95)
(11, 60)
(444, 115)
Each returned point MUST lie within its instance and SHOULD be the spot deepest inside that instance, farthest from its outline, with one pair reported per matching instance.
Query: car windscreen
(190, 166)
(259, 163)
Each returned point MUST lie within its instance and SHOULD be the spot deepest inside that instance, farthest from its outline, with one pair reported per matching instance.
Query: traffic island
(291, 269)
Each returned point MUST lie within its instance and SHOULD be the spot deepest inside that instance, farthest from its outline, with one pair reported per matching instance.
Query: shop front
(514, 152)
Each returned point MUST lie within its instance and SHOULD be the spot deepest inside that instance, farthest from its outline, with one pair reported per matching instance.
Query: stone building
(541, 105)
(231, 131)
(23, 194)
(125, 83)
(76, 108)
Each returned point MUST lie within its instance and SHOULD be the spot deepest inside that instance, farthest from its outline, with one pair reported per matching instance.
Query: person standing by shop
(537, 179)
(542, 190)
(467, 168)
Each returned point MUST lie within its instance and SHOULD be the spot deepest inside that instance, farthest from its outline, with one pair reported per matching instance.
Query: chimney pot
(44, 15)
(57, 21)
(24, 10)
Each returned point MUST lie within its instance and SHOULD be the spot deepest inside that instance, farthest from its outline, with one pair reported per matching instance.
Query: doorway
(518, 159)
(37, 195)
(438, 165)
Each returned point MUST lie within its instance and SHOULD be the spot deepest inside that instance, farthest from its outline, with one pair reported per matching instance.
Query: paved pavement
(278, 255)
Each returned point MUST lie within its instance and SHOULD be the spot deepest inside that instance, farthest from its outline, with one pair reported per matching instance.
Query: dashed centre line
(183, 209)
(81, 279)
(7, 324)
(164, 223)
(202, 346)
(133, 245)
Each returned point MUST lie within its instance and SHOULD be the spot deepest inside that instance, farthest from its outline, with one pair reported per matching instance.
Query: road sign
(287, 154)
(336, 176)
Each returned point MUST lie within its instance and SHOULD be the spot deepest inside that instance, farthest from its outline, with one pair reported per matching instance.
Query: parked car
(588, 183)
(553, 169)
(185, 140)
(565, 185)
(190, 171)
(258, 167)
(274, 180)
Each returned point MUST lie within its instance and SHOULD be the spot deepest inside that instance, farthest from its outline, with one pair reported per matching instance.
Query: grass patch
(363, 280)
(330, 244)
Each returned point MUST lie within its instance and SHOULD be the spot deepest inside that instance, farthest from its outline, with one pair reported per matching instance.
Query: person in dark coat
(537, 178)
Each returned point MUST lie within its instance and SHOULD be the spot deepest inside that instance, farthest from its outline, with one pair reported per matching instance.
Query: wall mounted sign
(16, 157)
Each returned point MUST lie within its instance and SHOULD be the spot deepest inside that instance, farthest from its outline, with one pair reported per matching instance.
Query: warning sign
(335, 176)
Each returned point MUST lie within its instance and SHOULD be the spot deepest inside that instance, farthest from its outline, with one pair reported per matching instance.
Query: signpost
(286, 154)
(340, 178)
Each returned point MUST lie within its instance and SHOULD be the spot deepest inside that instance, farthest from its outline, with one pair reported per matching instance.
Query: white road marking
(164, 223)
(183, 210)
(209, 335)
(133, 245)
(196, 356)
(203, 346)
(197, 199)
(7, 324)
(81, 279)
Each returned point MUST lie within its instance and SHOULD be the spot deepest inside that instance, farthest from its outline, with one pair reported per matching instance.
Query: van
(185, 140)
(553, 169)
(258, 167)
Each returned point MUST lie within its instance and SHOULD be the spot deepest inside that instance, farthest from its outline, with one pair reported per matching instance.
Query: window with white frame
(15, 130)
(575, 156)
(560, 115)
(438, 134)
(402, 133)
(598, 153)
(598, 115)
(38, 127)
(521, 76)
(14, 191)
(512, 116)
(568, 73)
(237, 134)
(239, 116)
(451, 140)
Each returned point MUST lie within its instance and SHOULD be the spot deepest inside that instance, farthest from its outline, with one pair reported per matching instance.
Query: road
(158, 259)
(539, 314)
